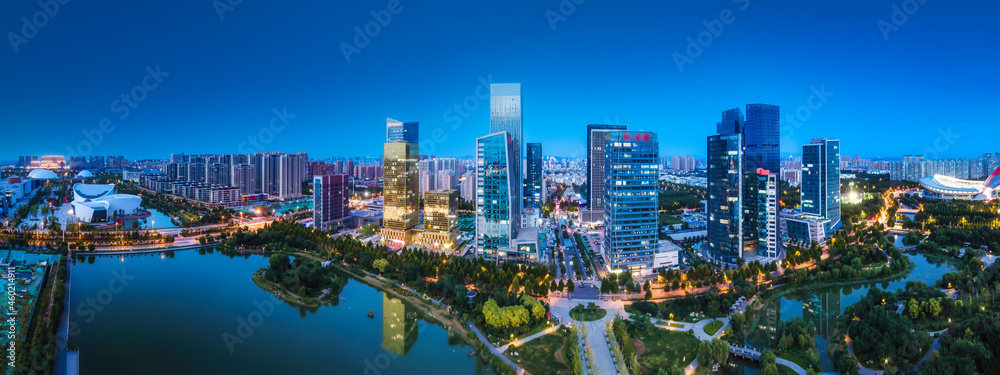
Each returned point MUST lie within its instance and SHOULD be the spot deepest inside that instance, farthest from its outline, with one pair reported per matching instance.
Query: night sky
(206, 76)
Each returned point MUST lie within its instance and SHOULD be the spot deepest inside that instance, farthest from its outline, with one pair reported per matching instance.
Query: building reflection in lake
(398, 332)
(822, 310)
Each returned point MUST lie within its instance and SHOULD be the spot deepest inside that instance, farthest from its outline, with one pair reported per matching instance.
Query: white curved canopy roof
(85, 174)
(42, 174)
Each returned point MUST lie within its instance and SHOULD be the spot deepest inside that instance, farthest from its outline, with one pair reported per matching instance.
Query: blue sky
(929, 88)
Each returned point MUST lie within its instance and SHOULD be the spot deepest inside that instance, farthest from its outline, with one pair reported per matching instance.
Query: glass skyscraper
(398, 131)
(761, 134)
(597, 138)
(496, 187)
(821, 181)
(533, 177)
(401, 183)
(631, 201)
(725, 193)
(505, 116)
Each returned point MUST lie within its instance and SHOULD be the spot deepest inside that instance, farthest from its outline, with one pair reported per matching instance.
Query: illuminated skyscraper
(505, 116)
(821, 181)
(401, 188)
(496, 197)
(725, 191)
(631, 201)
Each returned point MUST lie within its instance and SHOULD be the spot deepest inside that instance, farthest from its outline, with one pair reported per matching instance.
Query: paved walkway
(520, 342)
(493, 349)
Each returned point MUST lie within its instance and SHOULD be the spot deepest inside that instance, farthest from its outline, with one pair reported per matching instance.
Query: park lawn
(587, 315)
(541, 327)
(662, 348)
(666, 219)
(797, 355)
(539, 356)
(673, 325)
(713, 327)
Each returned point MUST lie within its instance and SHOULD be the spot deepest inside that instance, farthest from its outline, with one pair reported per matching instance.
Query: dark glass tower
(533, 177)
(761, 135)
(725, 190)
(821, 181)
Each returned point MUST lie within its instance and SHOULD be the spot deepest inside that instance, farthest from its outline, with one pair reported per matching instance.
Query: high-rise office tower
(631, 203)
(761, 137)
(440, 219)
(760, 152)
(725, 190)
(398, 131)
(496, 187)
(401, 186)
(765, 199)
(533, 177)
(330, 199)
(505, 116)
(597, 137)
(821, 181)
(732, 122)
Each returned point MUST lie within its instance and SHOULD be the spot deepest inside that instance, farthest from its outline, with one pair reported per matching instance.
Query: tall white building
(469, 186)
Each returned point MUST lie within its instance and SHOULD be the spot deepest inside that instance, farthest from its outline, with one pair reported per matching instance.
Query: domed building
(946, 187)
(84, 174)
(97, 203)
(42, 174)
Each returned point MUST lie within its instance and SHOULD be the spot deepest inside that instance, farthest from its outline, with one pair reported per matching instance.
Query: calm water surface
(192, 313)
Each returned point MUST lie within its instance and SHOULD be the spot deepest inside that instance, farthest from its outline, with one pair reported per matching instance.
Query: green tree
(380, 265)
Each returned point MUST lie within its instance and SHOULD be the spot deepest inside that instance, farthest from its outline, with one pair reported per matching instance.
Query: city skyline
(318, 92)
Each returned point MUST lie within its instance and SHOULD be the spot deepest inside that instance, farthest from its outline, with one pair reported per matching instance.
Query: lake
(191, 313)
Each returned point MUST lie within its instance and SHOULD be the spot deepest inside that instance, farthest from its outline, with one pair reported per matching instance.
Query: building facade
(496, 186)
(330, 198)
(505, 116)
(821, 181)
(401, 192)
(725, 197)
(440, 219)
(597, 138)
(631, 200)
(533, 177)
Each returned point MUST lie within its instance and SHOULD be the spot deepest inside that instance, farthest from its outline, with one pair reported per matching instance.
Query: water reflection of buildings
(398, 333)
(767, 326)
(822, 310)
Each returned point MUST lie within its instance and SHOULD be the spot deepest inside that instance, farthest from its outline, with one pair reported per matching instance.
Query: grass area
(542, 355)
(713, 327)
(785, 370)
(666, 219)
(673, 325)
(796, 355)
(662, 348)
(588, 315)
(533, 331)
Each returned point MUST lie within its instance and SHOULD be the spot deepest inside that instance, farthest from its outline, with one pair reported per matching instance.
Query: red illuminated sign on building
(637, 137)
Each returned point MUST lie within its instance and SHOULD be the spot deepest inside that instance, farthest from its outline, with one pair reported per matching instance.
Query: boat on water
(371, 313)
